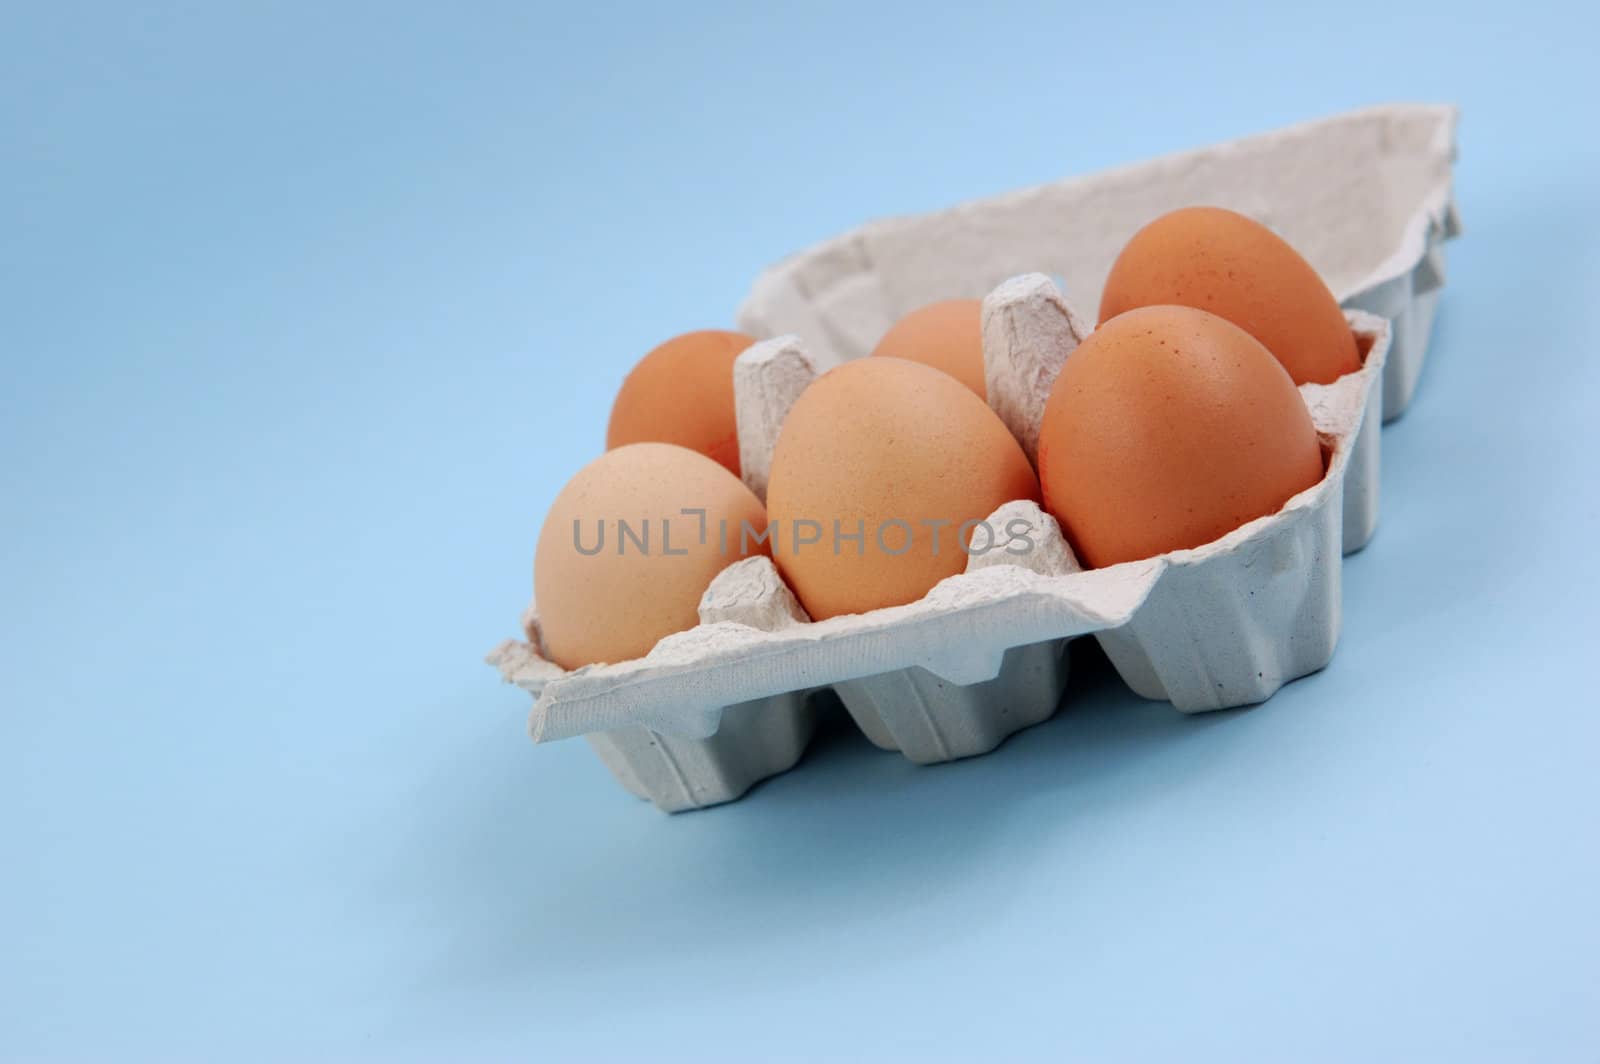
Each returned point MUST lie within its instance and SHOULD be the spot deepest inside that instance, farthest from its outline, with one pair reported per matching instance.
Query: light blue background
(305, 315)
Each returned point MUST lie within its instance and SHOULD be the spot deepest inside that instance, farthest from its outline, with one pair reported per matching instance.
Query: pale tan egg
(630, 545)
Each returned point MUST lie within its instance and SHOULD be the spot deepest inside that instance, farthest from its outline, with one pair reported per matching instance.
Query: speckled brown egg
(947, 335)
(682, 393)
(1219, 260)
(880, 464)
(1168, 428)
(620, 564)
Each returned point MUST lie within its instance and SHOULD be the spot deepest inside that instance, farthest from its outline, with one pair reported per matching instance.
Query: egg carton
(1365, 196)
(712, 710)
(709, 712)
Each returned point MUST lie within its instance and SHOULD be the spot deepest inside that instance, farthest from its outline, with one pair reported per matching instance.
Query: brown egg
(1221, 261)
(682, 393)
(1168, 428)
(620, 564)
(879, 464)
(947, 336)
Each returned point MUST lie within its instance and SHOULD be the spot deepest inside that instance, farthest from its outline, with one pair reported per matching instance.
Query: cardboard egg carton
(710, 711)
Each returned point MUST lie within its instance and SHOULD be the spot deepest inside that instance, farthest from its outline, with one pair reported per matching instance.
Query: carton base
(930, 720)
(1232, 632)
(757, 740)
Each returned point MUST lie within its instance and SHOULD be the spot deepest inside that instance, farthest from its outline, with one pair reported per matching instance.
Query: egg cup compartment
(1228, 629)
(1232, 621)
(756, 739)
(930, 719)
